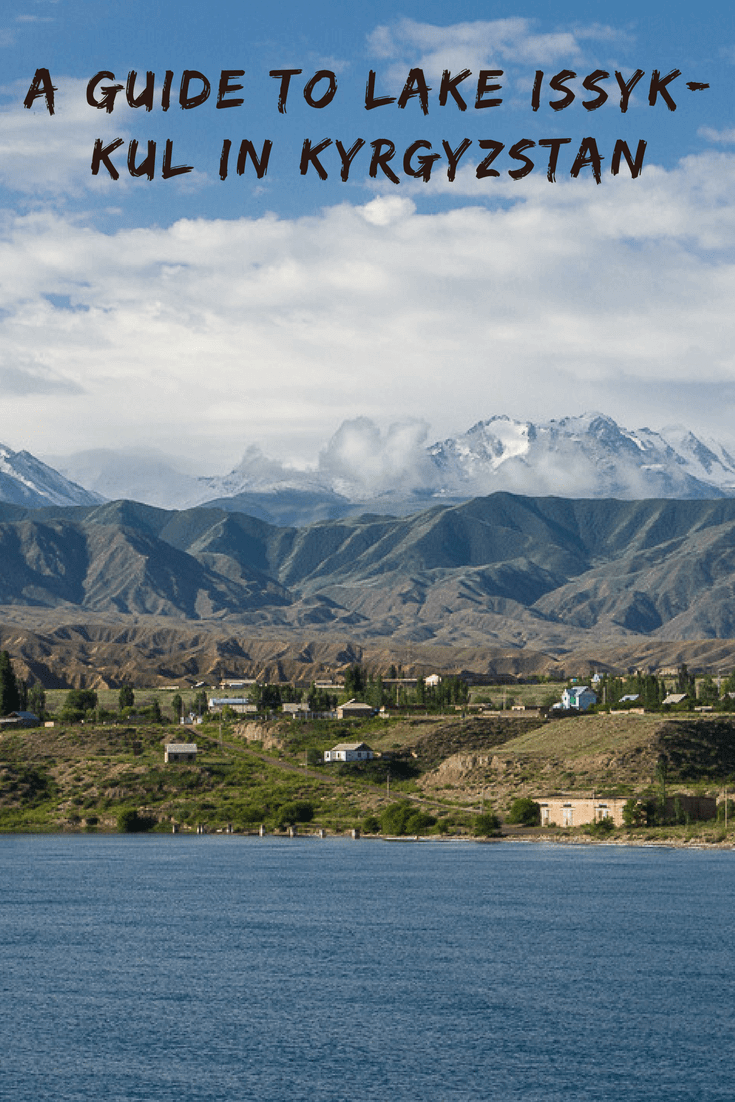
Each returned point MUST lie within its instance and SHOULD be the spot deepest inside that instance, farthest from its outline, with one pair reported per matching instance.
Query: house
(236, 703)
(349, 751)
(568, 811)
(297, 711)
(579, 698)
(572, 811)
(354, 709)
(180, 751)
(674, 698)
(20, 719)
(432, 680)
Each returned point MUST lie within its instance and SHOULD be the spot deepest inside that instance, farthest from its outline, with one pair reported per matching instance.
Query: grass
(81, 777)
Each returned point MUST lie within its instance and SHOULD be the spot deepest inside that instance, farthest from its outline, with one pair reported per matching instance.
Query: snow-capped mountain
(362, 470)
(25, 480)
(586, 456)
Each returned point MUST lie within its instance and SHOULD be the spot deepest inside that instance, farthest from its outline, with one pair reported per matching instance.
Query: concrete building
(572, 811)
(180, 751)
(569, 811)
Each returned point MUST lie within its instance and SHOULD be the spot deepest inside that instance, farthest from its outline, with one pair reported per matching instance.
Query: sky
(203, 315)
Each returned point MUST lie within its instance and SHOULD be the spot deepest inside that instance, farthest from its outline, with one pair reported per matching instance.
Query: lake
(193, 968)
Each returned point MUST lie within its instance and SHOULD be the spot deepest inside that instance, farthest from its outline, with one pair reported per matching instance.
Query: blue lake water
(159, 968)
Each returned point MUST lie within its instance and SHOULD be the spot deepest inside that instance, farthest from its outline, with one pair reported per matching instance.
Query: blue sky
(202, 316)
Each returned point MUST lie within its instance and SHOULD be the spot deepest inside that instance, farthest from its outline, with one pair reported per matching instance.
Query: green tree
(637, 813)
(708, 692)
(685, 681)
(355, 681)
(524, 811)
(177, 705)
(126, 697)
(37, 700)
(296, 811)
(131, 821)
(153, 711)
(78, 703)
(9, 693)
(405, 818)
(486, 824)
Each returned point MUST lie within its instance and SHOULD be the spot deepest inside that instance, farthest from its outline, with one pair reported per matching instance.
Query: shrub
(639, 813)
(405, 818)
(131, 821)
(525, 812)
(486, 825)
(297, 811)
(601, 828)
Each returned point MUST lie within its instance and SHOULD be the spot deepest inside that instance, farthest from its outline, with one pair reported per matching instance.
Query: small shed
(181, 751)
(354, 709)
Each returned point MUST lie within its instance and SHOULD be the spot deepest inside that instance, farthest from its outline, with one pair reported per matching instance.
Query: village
(472, 759)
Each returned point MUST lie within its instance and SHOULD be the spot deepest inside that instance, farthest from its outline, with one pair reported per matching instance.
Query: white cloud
(361, 458)
(483, 44)
(726, 137)
(207, 336)
(50, 155)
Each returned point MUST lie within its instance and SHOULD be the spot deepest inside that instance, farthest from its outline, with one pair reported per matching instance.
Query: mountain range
(357, 471)
(306, 569)
(550, 573)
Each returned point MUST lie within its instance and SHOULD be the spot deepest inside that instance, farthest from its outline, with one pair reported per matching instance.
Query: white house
(349, 751)
(579, 698)
(432, 680)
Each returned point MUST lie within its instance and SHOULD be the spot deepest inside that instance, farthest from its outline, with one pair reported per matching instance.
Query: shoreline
(407, 839)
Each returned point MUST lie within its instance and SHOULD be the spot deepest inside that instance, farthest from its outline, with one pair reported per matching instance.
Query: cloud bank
(210, 335)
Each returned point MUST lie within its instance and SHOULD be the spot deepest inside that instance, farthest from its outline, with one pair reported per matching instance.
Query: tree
(177, 705)
(9, 694)
(296, 811)
(131, 821)
(638, 813)
(126, 697)
(405, 818)
(708, 692)
(354, 681)
(78, 702)
(153, 711)
(37, 700)
(685, 681)
(524, 811)
(486, 825)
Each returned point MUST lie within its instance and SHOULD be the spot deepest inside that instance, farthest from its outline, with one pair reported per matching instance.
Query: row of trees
(373, 691)
(652, 691)
(15, 694)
